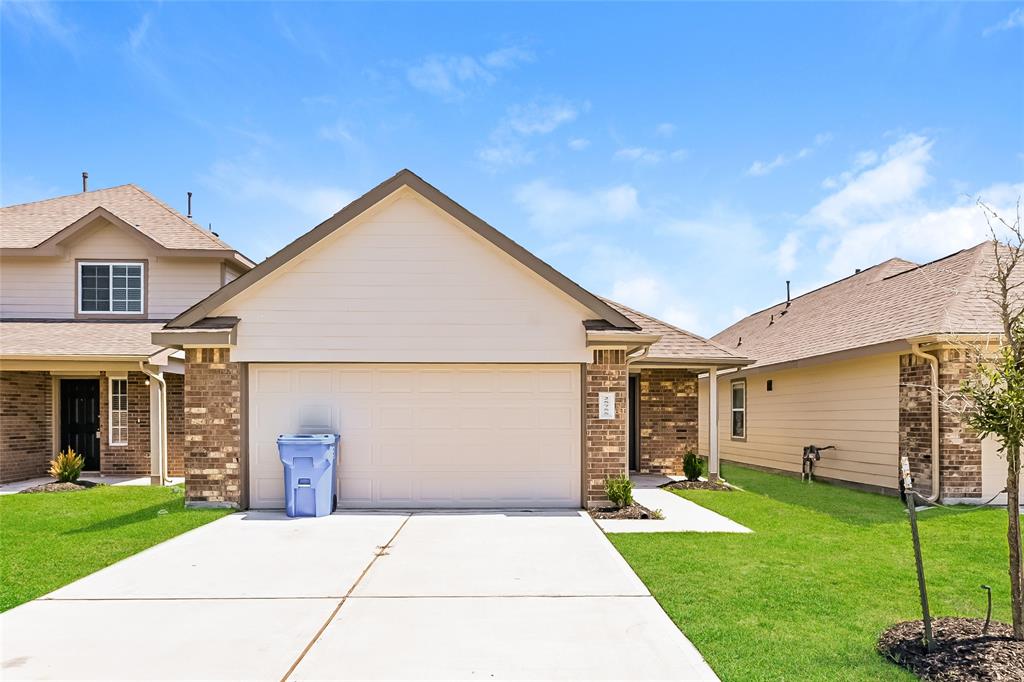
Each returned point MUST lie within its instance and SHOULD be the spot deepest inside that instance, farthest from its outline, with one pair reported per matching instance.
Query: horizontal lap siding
(853, 405)
(406, 283)
(44, 288)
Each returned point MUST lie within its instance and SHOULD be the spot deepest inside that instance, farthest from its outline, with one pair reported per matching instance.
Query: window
(119, 412)
(110, 288)
(739, 409)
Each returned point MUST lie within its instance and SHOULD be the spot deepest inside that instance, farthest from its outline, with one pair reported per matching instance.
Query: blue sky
(684, 159)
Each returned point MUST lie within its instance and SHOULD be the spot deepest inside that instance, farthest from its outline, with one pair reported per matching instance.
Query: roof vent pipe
(85, 181)
(189, 205)
(787, 293)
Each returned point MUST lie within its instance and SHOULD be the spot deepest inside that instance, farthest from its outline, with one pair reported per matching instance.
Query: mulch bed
(633, 511)
(56, 487)
(696, 485)
(961, 653)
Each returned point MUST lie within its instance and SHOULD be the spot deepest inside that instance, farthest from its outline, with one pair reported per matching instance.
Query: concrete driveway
(258, 596)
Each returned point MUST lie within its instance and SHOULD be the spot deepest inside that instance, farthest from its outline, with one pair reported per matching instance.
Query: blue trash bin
(309, 463)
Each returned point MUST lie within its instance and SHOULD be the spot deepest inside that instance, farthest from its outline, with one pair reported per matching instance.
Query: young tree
(994, 395)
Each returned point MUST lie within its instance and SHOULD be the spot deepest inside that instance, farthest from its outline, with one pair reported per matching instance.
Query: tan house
(458, 368)
(84, 281)
(852, 365)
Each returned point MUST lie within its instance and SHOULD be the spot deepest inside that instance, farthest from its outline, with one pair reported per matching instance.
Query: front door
(80, 419)
(634, 422)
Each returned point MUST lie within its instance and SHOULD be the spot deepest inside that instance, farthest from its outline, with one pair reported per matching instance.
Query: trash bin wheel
(334, 504)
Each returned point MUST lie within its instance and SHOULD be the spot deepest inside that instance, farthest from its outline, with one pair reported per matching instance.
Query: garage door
(425, 435)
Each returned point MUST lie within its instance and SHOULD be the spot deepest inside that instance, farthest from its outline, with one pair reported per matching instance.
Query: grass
(51, 539)
(826, 570)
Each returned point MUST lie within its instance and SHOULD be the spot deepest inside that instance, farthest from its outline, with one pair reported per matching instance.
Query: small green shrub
(657, 515)
(66, 467)
(693, 467)
(619, 490)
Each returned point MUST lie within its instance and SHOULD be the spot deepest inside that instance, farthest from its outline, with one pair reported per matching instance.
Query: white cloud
(785, 254)
(337, 132)
(506, 146)
(872, 192)
(242, 179)
(557, 210)
(665, 129)
(652, 294)
(44, 18)
(1015, 20)
(648, 155)
(137, 34)
(759, 168)
(578, 144)
(540, 118)
(448, 76)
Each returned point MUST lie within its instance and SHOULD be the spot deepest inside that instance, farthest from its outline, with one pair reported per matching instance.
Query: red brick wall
(175, 423)
(668, 419)
(26, 419)
(133, 458)
(605, 448)
(960, 448)
(213, 428)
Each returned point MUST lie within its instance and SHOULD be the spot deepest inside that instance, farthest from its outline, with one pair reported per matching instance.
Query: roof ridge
(698, 337)
(65, 196)
(176, 214)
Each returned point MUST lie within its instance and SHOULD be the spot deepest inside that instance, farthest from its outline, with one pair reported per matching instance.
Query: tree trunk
(1014, 539)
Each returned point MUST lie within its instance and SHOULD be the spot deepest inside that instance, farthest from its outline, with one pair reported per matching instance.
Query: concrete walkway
(18, 486)
(681, 515)
(258, 596)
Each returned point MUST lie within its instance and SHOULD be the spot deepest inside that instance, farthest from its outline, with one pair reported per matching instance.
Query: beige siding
(45, 287)
(853, 405)
(406, 283)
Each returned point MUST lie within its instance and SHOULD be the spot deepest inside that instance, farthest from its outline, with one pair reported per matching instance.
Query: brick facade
(213, 428)
(26, 425)
(175, 423)
(605, 449)
(133, 458)
(960, 449)
(668, 419)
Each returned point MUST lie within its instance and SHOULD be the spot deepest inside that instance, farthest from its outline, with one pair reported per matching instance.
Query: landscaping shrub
(692, 466)
(67, 466)
(619, 490)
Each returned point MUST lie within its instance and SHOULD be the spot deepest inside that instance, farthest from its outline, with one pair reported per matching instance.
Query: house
(850, 364)
(84, 281)
(459, 369)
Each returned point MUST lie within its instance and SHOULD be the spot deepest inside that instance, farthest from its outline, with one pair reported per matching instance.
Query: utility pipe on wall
(162, 389)
(934, 363)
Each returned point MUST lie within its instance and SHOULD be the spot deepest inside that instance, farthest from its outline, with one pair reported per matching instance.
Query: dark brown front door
(634, 422)
(80, 419)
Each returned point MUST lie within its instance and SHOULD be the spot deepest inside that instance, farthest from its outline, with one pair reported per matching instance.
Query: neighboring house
(459, 369)
(84, 280)
(837, 366)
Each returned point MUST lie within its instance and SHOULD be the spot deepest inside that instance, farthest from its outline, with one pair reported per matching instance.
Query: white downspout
(630, 359)
(934, 362)
(159, 379)
(713, 461)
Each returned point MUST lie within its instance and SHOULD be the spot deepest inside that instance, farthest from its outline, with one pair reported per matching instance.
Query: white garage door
(425, 435)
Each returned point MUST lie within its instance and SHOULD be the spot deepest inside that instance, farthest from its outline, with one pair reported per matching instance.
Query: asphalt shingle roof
(28, 225)
(77, 338)
(891, 301)
(676, 343)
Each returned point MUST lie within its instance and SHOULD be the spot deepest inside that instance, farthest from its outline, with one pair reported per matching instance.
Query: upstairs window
(115, 288)
(739, 409)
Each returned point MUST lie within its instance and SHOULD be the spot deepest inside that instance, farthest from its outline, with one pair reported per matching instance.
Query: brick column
(26, 425)
(606, 451)
(960, 448)
(668, 419)
(213, 428)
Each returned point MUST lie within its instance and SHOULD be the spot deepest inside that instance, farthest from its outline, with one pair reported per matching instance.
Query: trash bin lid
(307, 438)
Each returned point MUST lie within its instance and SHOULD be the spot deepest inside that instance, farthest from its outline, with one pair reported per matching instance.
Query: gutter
(159, 379)
(934, 362)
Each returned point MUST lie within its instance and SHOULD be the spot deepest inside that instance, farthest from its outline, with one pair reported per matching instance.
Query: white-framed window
(116, 288)
(118, 411)
(738, 427)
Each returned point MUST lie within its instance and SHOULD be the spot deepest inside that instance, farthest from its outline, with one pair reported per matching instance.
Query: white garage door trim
(425, 436)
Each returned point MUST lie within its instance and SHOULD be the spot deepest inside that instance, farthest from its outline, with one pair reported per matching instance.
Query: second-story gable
(116, 254)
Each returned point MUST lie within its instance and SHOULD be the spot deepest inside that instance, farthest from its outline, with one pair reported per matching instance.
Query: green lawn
(50, 539)
(826, 570)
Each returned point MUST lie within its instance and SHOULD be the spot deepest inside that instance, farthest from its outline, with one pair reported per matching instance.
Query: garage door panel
(426, 436)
